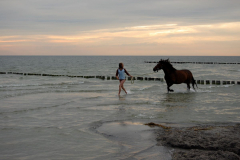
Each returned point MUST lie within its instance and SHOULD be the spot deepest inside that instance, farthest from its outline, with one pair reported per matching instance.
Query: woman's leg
(119, 88)
(122, 82)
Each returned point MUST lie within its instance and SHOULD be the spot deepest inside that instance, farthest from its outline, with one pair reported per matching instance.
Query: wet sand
(134, 140)
(206, 142)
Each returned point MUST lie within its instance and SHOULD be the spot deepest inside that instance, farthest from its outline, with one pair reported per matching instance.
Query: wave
(234, 70)
(144, 116)
(136, 103)
(221, 86)
(37, 108)
(203, 91)
(43, 84)
(63, 83)
(90, 98)
(148, 88)
(17, 85)
(24, 93)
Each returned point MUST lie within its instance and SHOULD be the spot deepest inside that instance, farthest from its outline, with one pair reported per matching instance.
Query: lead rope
(132, 78)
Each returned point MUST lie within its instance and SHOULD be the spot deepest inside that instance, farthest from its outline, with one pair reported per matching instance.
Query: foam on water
(221, 86)
(129, 92)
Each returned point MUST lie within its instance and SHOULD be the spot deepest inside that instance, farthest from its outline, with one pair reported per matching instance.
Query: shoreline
(202, 142)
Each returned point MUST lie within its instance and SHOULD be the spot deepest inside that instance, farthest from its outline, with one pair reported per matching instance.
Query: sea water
(45, 117)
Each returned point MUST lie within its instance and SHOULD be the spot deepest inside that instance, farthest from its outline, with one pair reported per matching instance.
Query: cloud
(70, 17)
(151, 34)
(103, 26)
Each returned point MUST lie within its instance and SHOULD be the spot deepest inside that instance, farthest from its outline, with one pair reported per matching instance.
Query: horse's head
(157, 67)
(164, 64)
(160, 65)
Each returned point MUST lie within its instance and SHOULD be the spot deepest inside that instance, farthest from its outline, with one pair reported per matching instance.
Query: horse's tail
(194, 82)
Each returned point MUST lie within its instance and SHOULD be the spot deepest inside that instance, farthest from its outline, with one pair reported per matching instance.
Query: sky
(120, 27)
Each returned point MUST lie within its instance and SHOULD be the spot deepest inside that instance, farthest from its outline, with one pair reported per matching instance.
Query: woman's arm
(127, 72)
(117, 74)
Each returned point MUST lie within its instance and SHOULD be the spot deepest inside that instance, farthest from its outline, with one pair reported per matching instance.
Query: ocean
(68, 117)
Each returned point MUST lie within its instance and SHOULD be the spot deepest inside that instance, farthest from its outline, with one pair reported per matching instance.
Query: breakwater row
(202, 82)
(194, 62)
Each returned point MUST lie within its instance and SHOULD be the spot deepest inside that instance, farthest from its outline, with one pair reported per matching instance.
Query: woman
(120, 74)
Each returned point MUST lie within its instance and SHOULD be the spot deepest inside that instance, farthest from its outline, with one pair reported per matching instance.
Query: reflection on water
(122, 97)
(173, 100)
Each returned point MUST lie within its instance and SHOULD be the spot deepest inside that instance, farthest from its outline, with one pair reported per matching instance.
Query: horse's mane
(167, 64)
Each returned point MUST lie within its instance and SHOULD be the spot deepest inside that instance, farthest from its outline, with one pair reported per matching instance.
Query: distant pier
(194, 62)
(202, 82)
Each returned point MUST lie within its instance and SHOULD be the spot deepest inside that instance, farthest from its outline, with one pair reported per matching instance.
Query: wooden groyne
(195, 62)
(202, 82)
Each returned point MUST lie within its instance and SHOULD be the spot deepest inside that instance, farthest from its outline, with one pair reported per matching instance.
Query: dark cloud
(73, 16)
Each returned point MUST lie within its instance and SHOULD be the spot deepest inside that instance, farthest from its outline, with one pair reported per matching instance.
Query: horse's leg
(168, 87)
(188, 86)
(169, 84)
(194, 82)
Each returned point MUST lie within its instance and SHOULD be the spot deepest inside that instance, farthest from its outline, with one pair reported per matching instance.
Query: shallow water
(76, 118)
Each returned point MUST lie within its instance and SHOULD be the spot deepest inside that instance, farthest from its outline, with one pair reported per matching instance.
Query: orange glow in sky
(169, 39)
(123, 27)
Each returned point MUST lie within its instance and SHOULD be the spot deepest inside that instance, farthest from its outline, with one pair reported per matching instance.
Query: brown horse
(173, 76)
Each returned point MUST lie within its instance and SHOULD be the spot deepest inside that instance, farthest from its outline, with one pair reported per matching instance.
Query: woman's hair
(120, 65)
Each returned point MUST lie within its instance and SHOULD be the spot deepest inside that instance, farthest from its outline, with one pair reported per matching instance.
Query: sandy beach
(204, 142)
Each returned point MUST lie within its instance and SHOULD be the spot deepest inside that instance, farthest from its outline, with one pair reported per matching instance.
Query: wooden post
(213, 82)
(207, 82)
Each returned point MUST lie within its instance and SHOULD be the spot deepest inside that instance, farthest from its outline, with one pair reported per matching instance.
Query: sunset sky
(120, 27)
